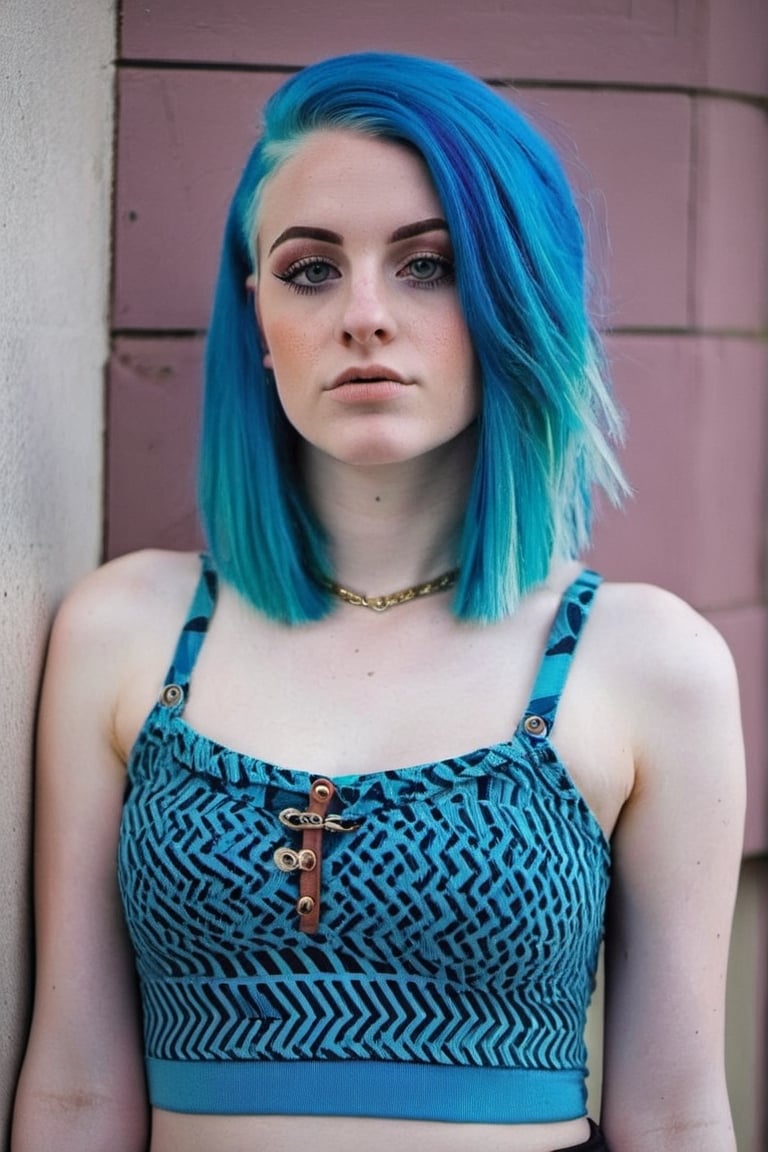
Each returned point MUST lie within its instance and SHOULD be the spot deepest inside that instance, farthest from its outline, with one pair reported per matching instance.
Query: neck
(391, 526)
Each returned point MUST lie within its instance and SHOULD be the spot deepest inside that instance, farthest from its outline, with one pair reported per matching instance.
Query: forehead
(344, 177)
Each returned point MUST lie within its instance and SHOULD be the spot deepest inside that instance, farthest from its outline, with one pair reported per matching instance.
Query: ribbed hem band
(382, 1089)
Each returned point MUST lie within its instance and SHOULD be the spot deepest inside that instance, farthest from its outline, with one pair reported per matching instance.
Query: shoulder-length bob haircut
(546, 418)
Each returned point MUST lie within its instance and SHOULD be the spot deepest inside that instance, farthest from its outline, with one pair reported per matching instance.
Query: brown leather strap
(308, 906)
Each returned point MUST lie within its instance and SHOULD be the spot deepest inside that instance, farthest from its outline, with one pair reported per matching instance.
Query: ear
(250, 285)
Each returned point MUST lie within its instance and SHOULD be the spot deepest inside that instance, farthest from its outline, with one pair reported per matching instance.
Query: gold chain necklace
(381, 603)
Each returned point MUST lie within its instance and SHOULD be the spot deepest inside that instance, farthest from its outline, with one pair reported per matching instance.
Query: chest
(361, 693)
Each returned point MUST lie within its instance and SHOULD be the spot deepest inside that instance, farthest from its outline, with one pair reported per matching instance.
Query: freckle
(370, 673)
(378, 499)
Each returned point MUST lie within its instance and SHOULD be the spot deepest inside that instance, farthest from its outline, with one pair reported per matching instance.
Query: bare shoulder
(128, 604)
(677, 683)
(660, 646)
(114, 633)
(125, 593)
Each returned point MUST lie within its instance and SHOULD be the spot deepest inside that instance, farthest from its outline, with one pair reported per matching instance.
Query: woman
(363, 892)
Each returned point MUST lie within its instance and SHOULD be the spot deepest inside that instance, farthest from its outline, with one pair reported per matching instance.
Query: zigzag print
(460, 922)
(412, 949)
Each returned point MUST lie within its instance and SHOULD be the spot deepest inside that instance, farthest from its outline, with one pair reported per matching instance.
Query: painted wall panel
(731, 238)
(183, 142)
(694, 407)
(629, 155)
(731, 452)
(154, 413)
(737, 45)
(647, 41)
(679, 43)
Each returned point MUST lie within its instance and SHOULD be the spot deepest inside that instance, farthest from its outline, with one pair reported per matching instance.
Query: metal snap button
(171, 695)
(289, 861)
(305, 906)
(535, 726)
(286, 859)
(321, 790)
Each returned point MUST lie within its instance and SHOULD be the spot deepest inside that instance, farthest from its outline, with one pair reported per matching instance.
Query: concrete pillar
(56, 112)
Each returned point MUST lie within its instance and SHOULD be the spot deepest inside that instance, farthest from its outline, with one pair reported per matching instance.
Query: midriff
(183, 1132)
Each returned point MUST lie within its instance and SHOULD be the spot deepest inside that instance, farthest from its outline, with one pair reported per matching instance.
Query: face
(357, 304)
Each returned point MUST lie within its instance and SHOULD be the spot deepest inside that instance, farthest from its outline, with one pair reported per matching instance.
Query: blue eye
(428, 271)
(424, 268)
(316, 273)
(308, 275)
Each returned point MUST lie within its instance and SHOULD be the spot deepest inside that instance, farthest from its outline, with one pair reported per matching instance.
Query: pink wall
(659, 110)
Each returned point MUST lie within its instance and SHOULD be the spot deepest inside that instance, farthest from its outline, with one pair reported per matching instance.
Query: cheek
(293, 356)
(449, 331)
(289, 346)
(452, 348)
(466, 364)
(277, 327)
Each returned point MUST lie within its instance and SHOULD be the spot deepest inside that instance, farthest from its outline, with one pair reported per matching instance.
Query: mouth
(373, 374)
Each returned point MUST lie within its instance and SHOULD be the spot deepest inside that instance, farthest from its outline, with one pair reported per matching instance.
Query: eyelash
(442, 262)
(289, 276)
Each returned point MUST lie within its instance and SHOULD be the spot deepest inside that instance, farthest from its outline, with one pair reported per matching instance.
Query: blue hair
(547, 420)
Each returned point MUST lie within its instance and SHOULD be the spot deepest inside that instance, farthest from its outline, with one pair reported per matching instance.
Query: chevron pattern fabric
(460, 922)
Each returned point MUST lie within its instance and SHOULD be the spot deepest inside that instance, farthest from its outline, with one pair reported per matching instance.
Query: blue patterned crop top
(451, 969)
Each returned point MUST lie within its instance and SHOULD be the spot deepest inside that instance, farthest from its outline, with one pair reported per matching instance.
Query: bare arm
(677, 851)
(82, 1082)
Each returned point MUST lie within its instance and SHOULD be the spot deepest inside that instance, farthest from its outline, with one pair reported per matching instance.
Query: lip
(368, 375)
(367, 392)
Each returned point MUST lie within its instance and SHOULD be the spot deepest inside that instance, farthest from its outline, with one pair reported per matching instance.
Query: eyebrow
(304, 231)
(434, 224)
(307, 232)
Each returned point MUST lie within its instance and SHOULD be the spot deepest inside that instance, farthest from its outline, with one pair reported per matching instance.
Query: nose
(366, 315)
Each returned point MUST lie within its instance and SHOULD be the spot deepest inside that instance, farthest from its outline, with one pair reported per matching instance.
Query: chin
(391, 448)
(376, 459)
(375, 454)
(371, 449)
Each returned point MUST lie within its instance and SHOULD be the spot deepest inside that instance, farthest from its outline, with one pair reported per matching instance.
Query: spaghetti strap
(561, 644)
(176, 683)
